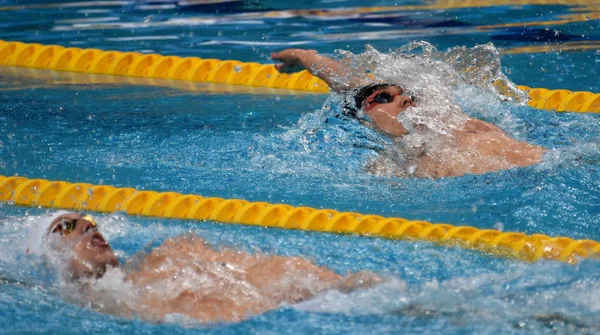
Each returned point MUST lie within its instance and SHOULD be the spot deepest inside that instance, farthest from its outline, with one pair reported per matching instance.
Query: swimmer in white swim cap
(186, 276)
(91, 254)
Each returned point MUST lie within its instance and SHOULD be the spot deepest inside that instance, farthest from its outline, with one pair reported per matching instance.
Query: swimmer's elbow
(343, 84)
(532, 155)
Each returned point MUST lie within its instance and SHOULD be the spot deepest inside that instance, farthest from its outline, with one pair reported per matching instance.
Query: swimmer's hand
(359, 280)
(293, 60)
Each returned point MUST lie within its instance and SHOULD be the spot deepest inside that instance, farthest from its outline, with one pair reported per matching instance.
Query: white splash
(436, 79)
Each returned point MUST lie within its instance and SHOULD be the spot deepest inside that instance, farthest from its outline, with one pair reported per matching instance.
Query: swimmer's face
(89, 251)
(384, 106)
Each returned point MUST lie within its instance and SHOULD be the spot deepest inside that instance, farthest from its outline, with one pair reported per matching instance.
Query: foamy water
(450, 87)
(507, 296)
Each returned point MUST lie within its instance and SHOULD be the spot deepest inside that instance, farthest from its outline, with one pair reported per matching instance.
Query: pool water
(272, 145)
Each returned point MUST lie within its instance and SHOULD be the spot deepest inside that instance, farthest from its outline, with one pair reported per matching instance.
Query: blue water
(269, 145)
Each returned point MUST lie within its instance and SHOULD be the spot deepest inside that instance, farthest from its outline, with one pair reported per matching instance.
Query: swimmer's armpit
(337, 75)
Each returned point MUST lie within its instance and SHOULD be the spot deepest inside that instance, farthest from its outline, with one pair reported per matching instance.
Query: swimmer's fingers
(286, 68)
(287, 55)
(281, 67)
(288, 61)
(292, 60)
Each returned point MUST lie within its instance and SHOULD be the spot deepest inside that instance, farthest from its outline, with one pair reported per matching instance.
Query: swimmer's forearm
(338, 76)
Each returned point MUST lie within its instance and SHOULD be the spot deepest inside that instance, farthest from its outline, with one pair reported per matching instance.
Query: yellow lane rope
(553, 47)
(54, 57)
(563, 100)
(104, 198)
(43, 78)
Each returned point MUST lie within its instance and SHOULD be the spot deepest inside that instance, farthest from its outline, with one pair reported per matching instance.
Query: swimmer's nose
(406, 101)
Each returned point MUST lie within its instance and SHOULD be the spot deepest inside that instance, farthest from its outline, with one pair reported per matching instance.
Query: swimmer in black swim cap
(474, 146)
(381, 104)
(366, 97)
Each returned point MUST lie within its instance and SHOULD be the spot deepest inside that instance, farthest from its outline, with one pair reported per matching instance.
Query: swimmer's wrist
(308, 58)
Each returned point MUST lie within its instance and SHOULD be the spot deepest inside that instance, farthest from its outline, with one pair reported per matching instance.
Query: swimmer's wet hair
(354, 99)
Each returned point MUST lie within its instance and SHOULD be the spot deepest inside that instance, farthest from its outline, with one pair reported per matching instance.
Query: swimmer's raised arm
(338, 76)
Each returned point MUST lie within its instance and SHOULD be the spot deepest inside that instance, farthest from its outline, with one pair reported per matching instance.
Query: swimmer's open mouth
(98, 241)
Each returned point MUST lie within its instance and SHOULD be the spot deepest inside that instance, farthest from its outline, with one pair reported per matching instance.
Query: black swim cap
(354, 99)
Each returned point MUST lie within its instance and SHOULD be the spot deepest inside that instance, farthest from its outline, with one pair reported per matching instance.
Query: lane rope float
(59, 58)
(55, 57)
(45, 78)
(563, 100)
(105, 198)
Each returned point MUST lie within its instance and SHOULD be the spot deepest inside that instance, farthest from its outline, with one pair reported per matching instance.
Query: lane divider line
(233, 72)
(105, 198)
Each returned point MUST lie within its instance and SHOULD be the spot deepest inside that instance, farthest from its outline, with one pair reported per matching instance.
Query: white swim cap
(36, 236)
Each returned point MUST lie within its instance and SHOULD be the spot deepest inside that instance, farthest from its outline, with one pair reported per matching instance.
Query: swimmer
(186, 276)
(475, 147)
